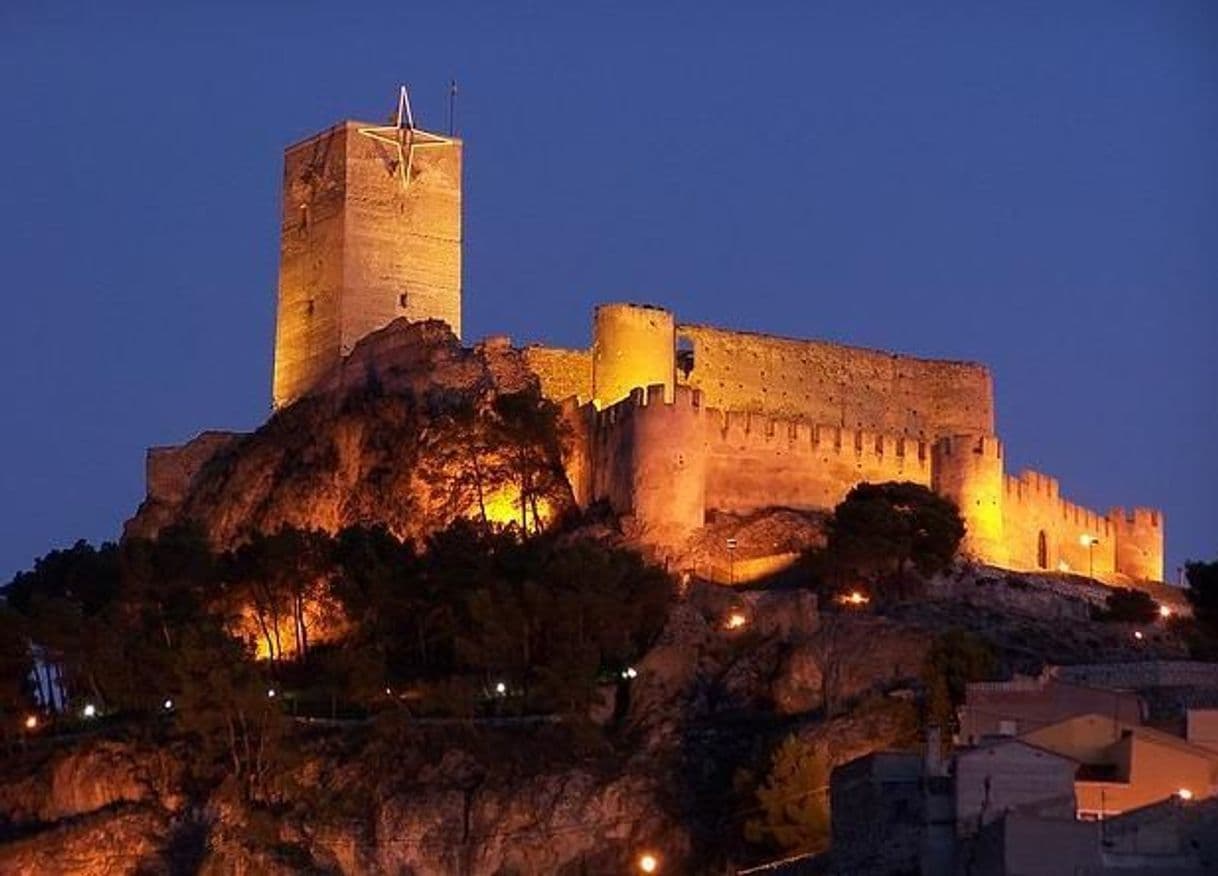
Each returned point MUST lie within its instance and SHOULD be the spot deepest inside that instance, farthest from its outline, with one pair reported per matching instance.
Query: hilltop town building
(672, 420)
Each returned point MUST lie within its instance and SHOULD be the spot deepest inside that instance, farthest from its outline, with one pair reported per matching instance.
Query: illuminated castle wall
(673, 420)
(677, 420)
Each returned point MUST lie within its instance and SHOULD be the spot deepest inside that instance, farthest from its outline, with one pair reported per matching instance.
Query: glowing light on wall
(503, 509)
(735, 621)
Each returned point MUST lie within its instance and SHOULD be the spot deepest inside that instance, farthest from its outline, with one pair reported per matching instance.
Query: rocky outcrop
(369, 446)
(124, 839)
(93, 776)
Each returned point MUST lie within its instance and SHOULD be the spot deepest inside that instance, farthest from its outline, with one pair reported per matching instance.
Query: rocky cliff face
(366, 447)
(403, 796)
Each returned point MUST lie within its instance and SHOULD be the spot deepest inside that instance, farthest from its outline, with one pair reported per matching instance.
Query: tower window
(402, 300)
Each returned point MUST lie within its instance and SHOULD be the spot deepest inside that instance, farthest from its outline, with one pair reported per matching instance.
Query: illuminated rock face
(361, 246)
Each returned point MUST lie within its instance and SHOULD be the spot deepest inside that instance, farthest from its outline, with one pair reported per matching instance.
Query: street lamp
(1089, 542)
(648, 863)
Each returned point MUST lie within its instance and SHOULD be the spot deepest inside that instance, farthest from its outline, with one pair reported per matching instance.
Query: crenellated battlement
(754, 430)
(1149, 518)
(649, 398)
(1029, 482)
(1034, 489)
(986, 446)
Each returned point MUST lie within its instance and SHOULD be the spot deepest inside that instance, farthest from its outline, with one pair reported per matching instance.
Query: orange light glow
(324, 619)
(31, 722)
(854, 597)
(1164, 611)
(648, 863)
(1184, 794)
(503, 509)
(735, 621)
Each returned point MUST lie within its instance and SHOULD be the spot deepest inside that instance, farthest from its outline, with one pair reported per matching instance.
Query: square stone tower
(371, 231)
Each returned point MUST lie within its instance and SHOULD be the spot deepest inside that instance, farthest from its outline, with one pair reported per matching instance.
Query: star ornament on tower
(404, 138)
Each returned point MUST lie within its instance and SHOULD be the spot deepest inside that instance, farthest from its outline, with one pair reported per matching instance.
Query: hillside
(404, 435)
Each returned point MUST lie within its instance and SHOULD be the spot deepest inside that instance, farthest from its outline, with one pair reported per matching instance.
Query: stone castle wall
(664, 463)
(563, 373)
(755, 461)
(808, 381)
(1032, 504)
(834, 384)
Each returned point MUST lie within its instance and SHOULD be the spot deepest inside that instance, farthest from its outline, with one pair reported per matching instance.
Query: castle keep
(671, 420)
(371, 230)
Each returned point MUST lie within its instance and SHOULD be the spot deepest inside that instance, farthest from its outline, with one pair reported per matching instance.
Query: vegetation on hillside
(1125, 605)
(882, 537)
(956, 658)
(484, 621)
(1202, 594)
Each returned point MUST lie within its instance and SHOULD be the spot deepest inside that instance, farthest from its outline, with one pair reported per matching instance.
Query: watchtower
(371, 231)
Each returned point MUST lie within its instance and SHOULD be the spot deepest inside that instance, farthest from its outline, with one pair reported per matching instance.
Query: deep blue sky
(1033, 185)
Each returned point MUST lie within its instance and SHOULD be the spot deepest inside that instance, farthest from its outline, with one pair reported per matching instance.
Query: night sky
(1031, 185)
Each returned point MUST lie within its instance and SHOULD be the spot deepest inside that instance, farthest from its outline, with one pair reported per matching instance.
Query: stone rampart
(835, 384)
(968, 470)
(169, 471)
(563, 373)
(648, 459)
(666, 463)
(1139, 542)
(756, 461)
(1045, 531)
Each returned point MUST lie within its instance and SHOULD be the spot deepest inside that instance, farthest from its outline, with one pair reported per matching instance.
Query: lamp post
(1089, 542)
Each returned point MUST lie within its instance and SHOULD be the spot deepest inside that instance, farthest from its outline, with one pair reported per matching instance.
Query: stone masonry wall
(357, 250)
(756, 462)
(563, 373)
(825, 383)
(308, 321)
(1032, 504)
(655, 460)
(402, 247)
(169, 471)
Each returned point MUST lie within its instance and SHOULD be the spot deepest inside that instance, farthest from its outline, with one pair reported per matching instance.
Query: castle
(671, 420)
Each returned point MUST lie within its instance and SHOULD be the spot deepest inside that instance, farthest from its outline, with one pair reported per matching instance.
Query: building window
(1042, 550)
(685, 355)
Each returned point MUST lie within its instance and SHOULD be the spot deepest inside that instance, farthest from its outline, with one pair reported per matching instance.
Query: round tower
(668, 463)
(968, 469)
(633, 345)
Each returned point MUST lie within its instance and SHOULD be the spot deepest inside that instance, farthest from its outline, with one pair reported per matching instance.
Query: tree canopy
(479, 620)
(881, 531)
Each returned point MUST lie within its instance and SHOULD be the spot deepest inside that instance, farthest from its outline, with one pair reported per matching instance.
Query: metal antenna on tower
(452, 101)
